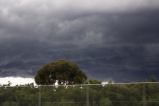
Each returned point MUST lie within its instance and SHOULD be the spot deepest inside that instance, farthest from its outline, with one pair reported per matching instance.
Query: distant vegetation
(75, 91)
(62, 71)
(108, 95)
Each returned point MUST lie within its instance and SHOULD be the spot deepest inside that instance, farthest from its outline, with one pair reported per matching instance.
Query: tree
(62, 71)
(152, 78)
(94, 82)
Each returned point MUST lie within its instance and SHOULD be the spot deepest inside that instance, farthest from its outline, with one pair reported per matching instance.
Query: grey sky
(35, 32)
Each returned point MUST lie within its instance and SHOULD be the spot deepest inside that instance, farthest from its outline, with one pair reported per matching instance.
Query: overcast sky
(115, 37)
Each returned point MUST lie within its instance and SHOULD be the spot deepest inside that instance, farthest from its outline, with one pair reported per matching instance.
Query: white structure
(16, 81)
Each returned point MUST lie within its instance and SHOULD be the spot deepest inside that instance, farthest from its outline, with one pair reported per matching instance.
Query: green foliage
(152, 78)
(108, 95)
(105, 102)
(63, 71)
(94, 82)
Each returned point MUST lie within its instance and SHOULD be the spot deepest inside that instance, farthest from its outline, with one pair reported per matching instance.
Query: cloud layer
(115, 37)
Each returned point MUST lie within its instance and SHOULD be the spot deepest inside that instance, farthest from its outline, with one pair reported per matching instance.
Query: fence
(115, 94)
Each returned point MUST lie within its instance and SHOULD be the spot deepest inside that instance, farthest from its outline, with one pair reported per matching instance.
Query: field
(137, 94)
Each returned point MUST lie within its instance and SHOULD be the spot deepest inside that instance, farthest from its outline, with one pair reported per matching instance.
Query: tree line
(108, 95)
(68, 93)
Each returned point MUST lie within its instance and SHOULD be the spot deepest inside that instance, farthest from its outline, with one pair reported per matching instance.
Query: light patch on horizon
(16, 81)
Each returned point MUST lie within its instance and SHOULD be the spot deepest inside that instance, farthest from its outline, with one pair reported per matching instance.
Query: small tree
(62, 71)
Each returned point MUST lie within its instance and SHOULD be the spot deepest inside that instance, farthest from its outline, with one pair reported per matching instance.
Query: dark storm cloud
(73, 22)
(103, 36)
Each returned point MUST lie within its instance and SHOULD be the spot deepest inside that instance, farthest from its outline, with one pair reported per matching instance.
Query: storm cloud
(108, 38)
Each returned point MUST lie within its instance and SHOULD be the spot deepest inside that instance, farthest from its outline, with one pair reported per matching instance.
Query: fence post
(144, 95)
(39, 99)
(87, 96)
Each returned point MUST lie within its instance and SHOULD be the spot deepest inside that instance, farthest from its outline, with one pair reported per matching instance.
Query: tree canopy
(62, 71)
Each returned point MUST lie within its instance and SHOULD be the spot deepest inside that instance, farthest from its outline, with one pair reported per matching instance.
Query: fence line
(144, 101)
(128, 83)
(86, 89)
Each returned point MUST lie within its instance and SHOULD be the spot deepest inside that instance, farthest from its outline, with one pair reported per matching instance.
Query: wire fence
(114, 94)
